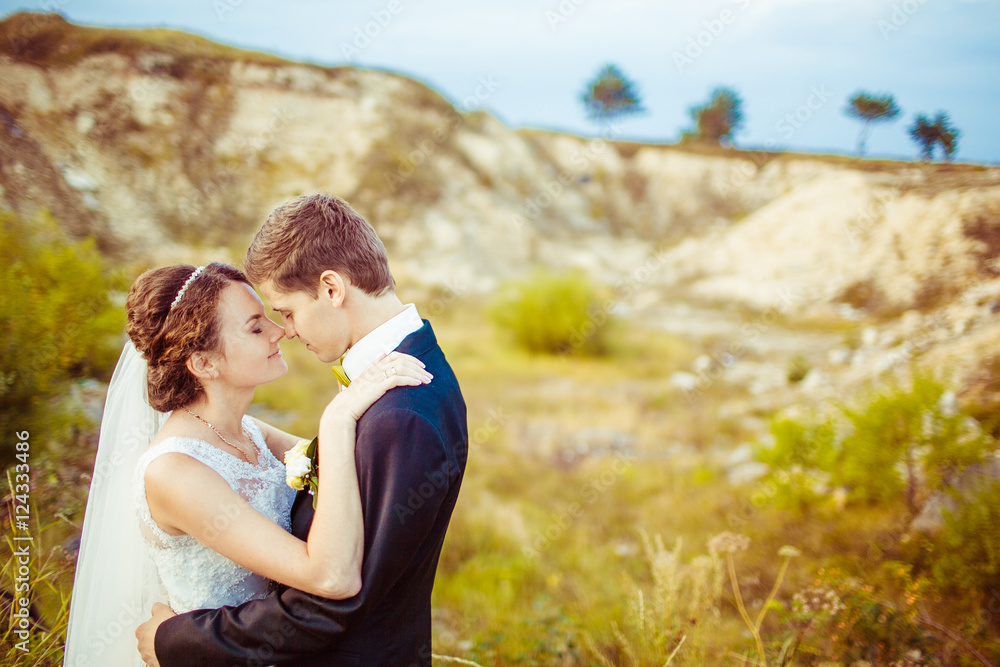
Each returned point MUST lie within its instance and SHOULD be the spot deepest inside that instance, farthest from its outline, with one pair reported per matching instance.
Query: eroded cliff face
(168, 147)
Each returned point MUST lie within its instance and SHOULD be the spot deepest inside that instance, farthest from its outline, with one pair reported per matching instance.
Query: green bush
(56, 321)
(554, 313)
(795, 444)
(801, 455)
(908, 429)
(967, 555)
(903, 442)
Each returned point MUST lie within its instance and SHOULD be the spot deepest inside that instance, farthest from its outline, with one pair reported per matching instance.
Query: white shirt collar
(383, 339)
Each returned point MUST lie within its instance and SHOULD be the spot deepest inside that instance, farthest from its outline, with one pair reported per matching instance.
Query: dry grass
(552, 561)
(48, 40)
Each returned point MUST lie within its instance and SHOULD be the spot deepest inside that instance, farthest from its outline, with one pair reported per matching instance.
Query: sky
(794, 63)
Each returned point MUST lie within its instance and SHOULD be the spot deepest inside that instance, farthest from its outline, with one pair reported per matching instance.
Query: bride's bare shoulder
(176, 477)
(176, 485)
(168, 466)
(172, 428)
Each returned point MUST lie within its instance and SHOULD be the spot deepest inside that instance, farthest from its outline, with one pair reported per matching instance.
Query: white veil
(116, 582)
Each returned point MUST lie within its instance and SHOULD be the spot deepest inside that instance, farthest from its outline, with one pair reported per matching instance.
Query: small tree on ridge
(870, 109)
(927, 134)
(610, 95)
(719, 119)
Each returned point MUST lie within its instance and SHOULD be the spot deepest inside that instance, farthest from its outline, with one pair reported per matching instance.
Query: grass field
(585, 535)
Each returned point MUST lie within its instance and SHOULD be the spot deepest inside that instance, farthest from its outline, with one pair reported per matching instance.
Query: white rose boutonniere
(301, 467)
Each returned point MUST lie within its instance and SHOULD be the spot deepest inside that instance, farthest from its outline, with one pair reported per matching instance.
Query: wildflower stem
(774, 591)
(674, 652)
(742, 609)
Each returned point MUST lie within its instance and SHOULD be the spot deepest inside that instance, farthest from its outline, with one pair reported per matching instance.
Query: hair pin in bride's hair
(187, 283)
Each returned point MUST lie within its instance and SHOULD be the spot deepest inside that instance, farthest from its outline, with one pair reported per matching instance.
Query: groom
(323, 268)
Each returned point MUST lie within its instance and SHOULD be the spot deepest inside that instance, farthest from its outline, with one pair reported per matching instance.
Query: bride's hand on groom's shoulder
(393, 370)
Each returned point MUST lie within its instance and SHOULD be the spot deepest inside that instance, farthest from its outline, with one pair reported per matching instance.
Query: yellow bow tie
(341, 376)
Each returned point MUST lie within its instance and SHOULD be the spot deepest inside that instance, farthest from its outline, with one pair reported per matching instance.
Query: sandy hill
(166, 146)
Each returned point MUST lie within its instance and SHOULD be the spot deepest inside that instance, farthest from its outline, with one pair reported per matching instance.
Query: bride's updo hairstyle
(166, 336)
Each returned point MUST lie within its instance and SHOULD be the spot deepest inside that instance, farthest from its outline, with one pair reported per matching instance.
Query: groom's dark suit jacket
(412, 446)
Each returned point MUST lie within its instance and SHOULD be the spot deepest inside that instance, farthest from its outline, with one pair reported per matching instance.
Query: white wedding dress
(127, 563)
(194, 576)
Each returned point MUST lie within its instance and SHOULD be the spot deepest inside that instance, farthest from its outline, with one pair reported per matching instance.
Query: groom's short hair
(311, 234)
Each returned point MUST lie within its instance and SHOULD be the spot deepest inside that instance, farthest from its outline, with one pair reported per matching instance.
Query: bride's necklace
(204, 421)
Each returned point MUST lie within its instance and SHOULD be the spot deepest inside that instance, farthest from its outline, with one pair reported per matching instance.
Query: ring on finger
(393, 369)
(385, 374)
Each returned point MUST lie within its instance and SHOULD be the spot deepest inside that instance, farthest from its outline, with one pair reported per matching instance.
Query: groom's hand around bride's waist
(146, 633)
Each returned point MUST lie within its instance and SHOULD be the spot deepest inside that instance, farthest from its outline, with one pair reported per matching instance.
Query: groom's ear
(332, 288)
(202, 366)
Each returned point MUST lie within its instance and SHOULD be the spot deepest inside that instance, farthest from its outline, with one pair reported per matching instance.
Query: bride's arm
(186, 496)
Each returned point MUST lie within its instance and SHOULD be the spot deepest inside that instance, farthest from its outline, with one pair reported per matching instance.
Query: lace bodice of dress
(194, 576)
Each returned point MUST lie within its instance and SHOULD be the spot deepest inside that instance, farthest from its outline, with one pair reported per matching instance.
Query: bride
(177, 451)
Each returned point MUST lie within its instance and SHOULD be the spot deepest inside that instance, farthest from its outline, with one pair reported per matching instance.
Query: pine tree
(870, 109)
(927, 134)
(610, 95)
(719, 119)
